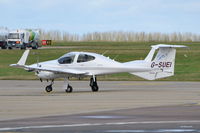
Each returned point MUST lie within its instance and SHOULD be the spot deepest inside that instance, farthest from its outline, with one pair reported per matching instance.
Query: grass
(187, 61)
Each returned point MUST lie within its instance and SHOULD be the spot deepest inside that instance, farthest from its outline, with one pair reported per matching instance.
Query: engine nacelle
(45, 75)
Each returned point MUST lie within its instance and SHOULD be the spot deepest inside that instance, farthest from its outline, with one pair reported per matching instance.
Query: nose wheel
(49, 87)
(69, 87)
(93, 84)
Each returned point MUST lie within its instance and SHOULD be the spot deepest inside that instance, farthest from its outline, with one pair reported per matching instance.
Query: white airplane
(82, 64)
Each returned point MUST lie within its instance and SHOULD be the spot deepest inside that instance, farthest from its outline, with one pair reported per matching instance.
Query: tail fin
(163, 64)
(22, 61)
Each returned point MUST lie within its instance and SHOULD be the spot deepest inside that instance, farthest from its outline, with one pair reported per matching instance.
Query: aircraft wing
(56, 70)
(50, 69)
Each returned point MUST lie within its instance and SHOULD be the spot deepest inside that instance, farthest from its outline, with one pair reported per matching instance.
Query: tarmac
(119, 106)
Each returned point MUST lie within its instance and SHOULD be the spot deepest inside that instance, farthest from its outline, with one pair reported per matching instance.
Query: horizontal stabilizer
(155, 47)
(168, 46)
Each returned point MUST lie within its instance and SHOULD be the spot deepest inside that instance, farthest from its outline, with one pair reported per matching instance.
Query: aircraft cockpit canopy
(67, 59)
(70, 58)
(85, 58)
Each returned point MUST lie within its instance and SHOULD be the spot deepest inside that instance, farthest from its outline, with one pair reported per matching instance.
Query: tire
(69, 89)
(4, 47)
(95, 88)
(23, 47)
(49, 88)
(10, 48)
(35, 47)
(92, 82)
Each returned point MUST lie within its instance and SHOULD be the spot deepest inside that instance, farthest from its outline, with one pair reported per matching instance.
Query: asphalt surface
(119, 106)
(182, 118)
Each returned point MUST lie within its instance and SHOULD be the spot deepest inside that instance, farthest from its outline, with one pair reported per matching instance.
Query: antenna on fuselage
(105, 52)
(115, 57)
(38, 58)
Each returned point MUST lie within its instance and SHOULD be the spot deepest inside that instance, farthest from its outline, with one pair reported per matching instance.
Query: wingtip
(23, 59)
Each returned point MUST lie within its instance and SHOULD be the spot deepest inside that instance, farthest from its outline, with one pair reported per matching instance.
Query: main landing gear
(69, 89)
(49, 87)
(93, 84)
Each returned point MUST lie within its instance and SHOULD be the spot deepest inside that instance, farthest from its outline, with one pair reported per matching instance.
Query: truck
(23, 39)
(3, 39)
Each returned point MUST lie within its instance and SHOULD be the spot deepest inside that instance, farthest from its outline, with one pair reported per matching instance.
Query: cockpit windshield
(13, 36)
(67, 59)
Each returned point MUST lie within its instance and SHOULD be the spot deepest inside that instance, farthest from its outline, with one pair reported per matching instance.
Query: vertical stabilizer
(150, 55)
(163, 64)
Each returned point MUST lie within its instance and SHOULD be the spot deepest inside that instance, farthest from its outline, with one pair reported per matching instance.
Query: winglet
(22, 60)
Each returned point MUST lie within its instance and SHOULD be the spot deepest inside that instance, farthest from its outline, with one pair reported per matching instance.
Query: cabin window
(85, 58)
(68, 59)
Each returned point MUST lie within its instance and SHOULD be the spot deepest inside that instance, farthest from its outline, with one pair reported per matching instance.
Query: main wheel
(4, 47)
(23, 46)
(92, 82)
(95, 88)
(48, 88)
(35, 47)
(69, 89)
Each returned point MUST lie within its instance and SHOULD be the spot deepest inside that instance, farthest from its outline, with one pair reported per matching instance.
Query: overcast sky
(82, 16)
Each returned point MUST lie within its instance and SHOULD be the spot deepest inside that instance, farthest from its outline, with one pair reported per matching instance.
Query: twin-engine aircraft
(83, 64)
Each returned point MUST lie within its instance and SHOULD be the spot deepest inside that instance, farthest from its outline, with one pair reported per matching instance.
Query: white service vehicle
(82, 64)
(23, 39)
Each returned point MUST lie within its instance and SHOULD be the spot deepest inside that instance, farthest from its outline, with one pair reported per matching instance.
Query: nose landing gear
(69, 88)
(49, 87)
